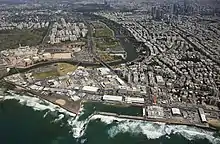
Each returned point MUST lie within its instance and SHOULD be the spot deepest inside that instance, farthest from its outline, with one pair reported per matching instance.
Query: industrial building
(28, 61)
(122, 90)
(62, 55)
(90, 89)
(176, 111)
(104, 71)
(160, 80)
(134, 100)
(144, 111)
(202, 115)
(47, 55)
(112, 98)
(155, 112)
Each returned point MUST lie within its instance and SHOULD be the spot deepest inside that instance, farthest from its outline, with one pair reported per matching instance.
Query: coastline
(69, 105)
(74, 107)
(166, 121)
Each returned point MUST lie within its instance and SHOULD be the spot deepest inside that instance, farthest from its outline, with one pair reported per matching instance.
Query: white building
(28, 60)
(91, 89)
(160, 80)
(47, 55)
(104, 71)
(112, 98)
(62, 56)
(134, 100)
(176, 111)
(155, 112)
(202, 115)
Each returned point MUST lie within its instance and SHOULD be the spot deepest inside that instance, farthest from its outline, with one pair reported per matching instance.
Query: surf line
(68, 105)
(63, 102)
(157, 120)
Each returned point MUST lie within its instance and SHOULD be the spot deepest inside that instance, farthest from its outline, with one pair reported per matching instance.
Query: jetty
(160, 120)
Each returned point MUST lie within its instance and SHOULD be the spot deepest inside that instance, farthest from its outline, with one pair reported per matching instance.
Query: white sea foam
(36, 103)
(151, 130)
(46, 114)
(82, 141)
(60, 117)
(154, 131)
(78, 127)
(105, 119)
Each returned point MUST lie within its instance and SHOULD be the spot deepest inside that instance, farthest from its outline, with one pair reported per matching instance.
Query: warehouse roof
(90, 88)
(159, 79)
(176, 111)
(134, 100)
(112, 98)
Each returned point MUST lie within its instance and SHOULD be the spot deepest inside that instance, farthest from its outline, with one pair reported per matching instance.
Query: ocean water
(28, 120)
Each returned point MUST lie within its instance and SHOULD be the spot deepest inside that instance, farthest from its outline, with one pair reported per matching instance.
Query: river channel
(128, 43)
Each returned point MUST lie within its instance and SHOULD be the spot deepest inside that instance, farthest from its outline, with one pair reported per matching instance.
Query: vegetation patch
(10, 39)
(61, 69)
(104, 38)
(48, 74)
(104, 32)
(65, 68)
(104, 44)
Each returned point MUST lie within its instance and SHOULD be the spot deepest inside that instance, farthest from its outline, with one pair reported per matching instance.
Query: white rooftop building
(176, 111)
(202, 115)
(104, 71)
(134, 100)
(90, 89)
(160, 80)
(112, 98)
(155, 112)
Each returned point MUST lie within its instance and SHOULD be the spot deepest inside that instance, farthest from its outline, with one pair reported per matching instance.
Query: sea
(29, 120)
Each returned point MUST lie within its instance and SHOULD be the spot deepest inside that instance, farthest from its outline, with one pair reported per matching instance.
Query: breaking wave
(150, 129)
(157, 130)
(36, 103)
(115, 125)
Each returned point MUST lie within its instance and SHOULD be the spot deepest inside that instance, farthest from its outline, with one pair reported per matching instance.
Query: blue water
(21, 124)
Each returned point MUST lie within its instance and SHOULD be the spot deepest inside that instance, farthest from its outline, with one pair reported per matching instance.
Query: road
(47, 33)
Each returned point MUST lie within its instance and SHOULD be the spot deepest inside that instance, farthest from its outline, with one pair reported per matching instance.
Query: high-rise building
(156, 13)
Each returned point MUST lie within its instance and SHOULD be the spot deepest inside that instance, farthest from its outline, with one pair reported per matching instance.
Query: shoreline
(74, 107)
(69, 105)
(166, 121)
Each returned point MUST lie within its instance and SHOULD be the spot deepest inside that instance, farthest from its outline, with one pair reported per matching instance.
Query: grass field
(64, 68)
(61, 70)
(105, 32)
(48, 74)
(102, 30)
(12, 38)
(103, 44)
(104, 37)
(105, 41)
